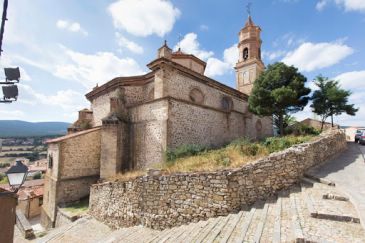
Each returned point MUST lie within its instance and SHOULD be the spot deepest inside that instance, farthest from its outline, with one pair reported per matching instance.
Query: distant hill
(14, 128)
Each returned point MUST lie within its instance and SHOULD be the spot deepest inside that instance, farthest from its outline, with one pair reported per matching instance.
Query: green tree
(280, 90)
(288, 120)
(330, 100)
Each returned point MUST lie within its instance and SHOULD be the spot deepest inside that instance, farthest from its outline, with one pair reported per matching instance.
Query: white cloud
(348, 5)
(190, 45)
(272, 55)
(68, 100)
(216, 67)
(8, 61)
(71, 26)
(130, 45)
(352, 5)
(89, 69)
(313, 56)
(230, 55)
(10, 114)
(352, 80)
(321, 4)
(144, 17)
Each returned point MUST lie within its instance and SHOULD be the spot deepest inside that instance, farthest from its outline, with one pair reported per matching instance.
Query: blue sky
(64, 48)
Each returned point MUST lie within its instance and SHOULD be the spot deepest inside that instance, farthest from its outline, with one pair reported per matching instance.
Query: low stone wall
(165, 201)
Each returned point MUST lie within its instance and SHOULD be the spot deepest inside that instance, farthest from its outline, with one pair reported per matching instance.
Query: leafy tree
(280, 90)
(288, 120)
(330, 100)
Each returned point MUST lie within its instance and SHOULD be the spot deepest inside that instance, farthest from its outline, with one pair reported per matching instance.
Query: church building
(132, 121)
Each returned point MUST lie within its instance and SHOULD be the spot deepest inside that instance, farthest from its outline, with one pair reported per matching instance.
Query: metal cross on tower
(248, 8)
(179, 43)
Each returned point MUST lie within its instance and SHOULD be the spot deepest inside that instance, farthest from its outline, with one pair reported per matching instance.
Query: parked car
(358, 135)
(362, 138)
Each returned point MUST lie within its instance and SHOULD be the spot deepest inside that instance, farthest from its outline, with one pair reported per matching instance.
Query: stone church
(134, 120)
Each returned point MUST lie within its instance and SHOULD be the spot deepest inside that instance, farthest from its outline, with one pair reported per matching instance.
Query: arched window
(227, 103)
(196, 96)
(245, 53)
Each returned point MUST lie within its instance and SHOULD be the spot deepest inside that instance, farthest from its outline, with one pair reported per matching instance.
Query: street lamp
(17, 175)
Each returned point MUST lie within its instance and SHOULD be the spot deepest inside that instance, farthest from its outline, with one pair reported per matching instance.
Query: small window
(40, 202)
(196, 96)
(227, 103)
(50, 161)
(245, 53)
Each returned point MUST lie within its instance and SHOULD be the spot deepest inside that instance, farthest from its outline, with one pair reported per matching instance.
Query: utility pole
(10, 90)
(2, 29)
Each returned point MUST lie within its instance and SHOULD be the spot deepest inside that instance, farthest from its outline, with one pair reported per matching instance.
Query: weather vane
(248, 8)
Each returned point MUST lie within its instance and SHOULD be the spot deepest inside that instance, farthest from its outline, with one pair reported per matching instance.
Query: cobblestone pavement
(300, 214)
(348, 172)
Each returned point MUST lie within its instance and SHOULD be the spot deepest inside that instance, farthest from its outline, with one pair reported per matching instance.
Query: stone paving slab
(348, 173)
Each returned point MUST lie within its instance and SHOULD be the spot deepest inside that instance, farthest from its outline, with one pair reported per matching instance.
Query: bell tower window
(245, 53)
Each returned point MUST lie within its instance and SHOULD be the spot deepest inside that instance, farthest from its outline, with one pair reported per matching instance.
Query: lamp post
(8, 200)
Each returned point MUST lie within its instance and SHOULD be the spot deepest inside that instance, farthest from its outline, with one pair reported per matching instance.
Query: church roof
(180, 54)
(72, 135)
(154, 65)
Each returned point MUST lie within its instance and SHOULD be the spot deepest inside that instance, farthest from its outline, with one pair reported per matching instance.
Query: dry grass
(129, 175)
(213, 160)
(234, 155)
(192, 158)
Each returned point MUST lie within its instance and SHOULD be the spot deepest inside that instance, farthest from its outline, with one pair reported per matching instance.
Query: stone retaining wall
(165, 201)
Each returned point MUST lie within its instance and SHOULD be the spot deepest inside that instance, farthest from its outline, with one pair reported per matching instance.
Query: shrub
(185, 150)
(274, 144)
(301, 129)
(37, 175)
(239, 142)
(4, 165)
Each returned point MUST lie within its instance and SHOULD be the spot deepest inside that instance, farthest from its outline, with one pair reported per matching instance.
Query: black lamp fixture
(16, 175)
(10, 90)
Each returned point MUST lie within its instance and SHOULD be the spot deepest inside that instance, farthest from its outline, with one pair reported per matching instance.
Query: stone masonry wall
(165, 201)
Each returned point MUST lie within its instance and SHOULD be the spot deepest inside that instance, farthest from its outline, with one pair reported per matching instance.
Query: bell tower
(249, 65)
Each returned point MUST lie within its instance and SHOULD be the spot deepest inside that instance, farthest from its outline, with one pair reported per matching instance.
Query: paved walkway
(348, 172)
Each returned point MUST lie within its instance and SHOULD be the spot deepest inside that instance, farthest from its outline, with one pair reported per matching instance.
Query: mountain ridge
(19, 128)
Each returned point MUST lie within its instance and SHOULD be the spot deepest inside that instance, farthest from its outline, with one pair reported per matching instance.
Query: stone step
(297, 232)
(269, 223)
(121, 234)
(285, 224)
(308, 178)
(338, 210)
(332, 196)
(182, 229)
(142, 236)
(214, 233)
(230, 227)
(161, 235)
(207, 229)
(192, 231)
(249, 237)
(85, 229)
(243, 225)
(277, 224)
(261, 224)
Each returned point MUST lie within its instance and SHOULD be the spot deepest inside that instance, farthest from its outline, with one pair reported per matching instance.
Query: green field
(6, 160)
(16, 148)
(4, 153)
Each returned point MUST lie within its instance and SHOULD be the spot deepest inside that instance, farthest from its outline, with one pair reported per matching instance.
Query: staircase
(308, 212)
